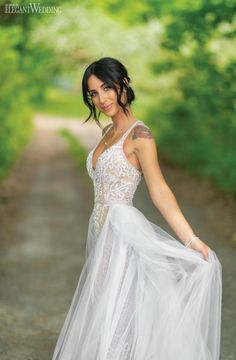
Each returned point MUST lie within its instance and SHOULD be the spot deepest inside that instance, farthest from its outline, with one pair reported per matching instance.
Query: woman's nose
(102, 98)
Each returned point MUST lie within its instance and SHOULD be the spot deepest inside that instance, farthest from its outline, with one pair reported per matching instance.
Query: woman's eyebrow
(100, 86)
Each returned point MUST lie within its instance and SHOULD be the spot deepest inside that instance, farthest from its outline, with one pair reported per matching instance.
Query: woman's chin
(110, 112)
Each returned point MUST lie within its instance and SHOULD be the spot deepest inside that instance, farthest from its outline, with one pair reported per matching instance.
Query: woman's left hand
(200, 246)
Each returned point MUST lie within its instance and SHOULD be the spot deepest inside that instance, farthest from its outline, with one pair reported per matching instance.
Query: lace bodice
(115, 179)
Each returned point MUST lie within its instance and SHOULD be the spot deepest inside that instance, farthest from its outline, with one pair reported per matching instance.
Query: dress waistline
(107, 203)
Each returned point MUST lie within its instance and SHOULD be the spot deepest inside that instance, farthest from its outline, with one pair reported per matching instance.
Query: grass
(78, 151)
(62, 103)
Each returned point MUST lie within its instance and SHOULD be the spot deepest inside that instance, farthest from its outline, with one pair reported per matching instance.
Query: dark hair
(112, 72)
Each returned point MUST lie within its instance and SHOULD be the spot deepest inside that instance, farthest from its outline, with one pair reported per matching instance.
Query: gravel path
(45, 206)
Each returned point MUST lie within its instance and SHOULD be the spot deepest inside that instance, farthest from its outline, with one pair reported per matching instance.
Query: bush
(15, 114)
(198, 129)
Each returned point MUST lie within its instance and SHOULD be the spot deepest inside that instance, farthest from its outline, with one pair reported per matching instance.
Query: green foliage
(197, 126)
(27, 70)
(77, 40)
(78, 151)
(15, 123)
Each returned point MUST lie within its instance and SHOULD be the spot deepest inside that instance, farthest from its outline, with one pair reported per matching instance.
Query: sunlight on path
(89, 133)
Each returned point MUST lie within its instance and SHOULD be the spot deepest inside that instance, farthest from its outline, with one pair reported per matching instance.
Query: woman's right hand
(198, 245)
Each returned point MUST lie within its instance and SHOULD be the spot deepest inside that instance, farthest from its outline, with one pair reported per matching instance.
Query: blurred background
(181, 57)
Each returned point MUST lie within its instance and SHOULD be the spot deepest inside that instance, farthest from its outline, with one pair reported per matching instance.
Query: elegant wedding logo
(35, 8)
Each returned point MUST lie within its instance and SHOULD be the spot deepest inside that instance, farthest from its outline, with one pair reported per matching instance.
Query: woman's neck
(121, 121)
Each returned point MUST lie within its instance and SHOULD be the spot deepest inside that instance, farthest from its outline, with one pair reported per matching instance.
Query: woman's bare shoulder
(141, 130)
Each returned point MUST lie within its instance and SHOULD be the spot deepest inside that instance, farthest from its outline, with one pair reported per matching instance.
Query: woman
(142, 294)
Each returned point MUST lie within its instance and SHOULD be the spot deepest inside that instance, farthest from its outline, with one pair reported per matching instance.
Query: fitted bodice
(114, 178)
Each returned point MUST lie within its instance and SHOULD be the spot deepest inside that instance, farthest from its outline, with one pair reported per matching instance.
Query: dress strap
(124, 136)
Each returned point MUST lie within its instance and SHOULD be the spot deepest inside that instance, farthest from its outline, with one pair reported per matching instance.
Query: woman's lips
(107, 107)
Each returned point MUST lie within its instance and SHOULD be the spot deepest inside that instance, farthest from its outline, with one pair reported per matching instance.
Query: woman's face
(103, 96)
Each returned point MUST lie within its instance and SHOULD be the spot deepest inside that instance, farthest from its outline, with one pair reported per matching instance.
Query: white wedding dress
(141, 295)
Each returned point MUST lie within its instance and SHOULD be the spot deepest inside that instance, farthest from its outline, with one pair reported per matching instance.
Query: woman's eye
(92, 95)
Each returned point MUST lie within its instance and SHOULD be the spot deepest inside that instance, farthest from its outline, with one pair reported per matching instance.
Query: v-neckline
(96, 146)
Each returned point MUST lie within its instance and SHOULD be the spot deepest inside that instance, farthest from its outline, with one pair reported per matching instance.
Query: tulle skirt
(142, 295)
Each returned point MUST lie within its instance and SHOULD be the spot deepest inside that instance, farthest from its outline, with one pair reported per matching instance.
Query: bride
(142, 294)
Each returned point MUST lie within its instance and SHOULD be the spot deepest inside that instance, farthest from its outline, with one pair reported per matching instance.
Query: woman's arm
(160, 193)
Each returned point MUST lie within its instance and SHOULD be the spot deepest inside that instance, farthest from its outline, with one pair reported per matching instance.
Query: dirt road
(45, 206)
